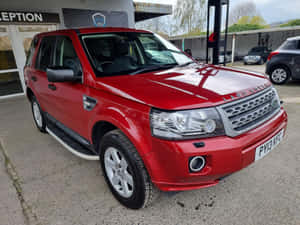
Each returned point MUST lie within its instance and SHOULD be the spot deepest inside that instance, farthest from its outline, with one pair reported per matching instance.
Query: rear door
(296, 70)
(67, 97)
(37, 74)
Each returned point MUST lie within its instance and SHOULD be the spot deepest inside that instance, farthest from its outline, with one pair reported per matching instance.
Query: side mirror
(62, 75)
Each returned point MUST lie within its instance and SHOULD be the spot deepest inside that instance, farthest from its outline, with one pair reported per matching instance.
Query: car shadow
(293, 83)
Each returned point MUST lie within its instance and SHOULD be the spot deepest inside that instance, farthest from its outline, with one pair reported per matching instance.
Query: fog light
(197, 163)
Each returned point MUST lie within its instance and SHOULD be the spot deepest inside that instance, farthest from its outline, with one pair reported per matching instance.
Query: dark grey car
(284, 63)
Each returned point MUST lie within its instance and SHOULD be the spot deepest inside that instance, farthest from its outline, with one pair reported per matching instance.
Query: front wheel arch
(99, 130)
(138, 142)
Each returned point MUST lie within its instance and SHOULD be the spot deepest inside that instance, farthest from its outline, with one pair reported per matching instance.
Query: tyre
(261, 62)
(280, 75)
(124, 171)
(38, 115)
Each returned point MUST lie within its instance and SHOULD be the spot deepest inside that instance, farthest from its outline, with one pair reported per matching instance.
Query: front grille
(248, 113)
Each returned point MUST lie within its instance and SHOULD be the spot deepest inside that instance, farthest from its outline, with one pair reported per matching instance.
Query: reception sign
(21, 17)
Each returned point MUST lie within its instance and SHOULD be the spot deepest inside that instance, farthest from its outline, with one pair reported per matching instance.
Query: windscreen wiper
(152, 68)
(186, 64)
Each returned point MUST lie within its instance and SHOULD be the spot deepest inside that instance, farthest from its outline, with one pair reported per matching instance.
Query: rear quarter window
(290, 45)
(45, 53)
(31, 52)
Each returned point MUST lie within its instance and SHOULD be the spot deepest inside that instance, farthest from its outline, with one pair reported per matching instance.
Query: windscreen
(124, 53)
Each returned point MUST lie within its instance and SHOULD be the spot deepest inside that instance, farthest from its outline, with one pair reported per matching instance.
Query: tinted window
(257, 50)
(44, 59)
(290, 45)
(65, 55)
(31, 52)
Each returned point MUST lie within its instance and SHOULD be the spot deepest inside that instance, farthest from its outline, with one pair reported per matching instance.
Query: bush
(291, 23)
(244, 27)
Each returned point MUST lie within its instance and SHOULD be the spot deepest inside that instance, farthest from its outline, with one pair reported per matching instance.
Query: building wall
(56, 6)
(244, 42)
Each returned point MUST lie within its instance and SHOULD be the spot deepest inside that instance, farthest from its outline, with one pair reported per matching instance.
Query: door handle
(52, 87)
(33, 78)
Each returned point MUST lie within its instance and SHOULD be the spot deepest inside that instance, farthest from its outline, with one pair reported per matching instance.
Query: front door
(66, 98)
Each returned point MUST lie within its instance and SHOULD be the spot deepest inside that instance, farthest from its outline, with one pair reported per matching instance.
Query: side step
(71, 145)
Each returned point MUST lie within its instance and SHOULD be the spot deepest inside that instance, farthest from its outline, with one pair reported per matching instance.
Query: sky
(271, 10)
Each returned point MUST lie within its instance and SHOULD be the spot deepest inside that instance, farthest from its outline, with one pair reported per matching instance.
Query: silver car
(257, 55)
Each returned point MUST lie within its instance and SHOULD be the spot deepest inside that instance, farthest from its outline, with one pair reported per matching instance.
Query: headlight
(276, 100)
(257, 57)
(186, 124)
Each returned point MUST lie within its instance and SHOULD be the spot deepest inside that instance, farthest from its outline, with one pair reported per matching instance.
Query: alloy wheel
(37, 114)
(118, 172)
(279, 75)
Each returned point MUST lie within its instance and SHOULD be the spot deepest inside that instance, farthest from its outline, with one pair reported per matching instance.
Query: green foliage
(244, 27)
(291, 23)
(248, 23)
(255, 20)
(243, 20)
(258, 20)
(194, 32)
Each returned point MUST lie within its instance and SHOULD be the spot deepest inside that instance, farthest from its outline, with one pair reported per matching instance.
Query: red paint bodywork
(125, 101)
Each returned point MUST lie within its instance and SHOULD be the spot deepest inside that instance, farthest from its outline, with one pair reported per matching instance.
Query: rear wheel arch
(29, 94)
(280, 65)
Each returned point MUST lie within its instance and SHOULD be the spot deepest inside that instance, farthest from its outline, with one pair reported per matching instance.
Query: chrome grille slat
(244, 119)
(245, 114)
(248, 105)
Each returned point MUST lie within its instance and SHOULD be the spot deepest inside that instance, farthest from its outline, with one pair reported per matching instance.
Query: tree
(251, 20)
(157, 25)
(190, 14)
(247, 8)
(243, 20)
(258, 20)
(189, 18)
(184, 13)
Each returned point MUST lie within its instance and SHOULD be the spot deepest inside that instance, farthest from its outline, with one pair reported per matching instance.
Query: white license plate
(267, 147)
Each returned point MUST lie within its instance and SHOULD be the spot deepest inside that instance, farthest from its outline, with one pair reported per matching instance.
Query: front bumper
(252, 60)
(224, 155)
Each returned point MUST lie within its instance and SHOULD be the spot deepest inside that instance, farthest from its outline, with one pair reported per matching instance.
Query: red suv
(154, 117)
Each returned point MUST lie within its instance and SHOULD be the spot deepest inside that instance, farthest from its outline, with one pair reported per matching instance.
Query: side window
(31, 52)
(44, 59)
(65, 55)
(290, 45)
